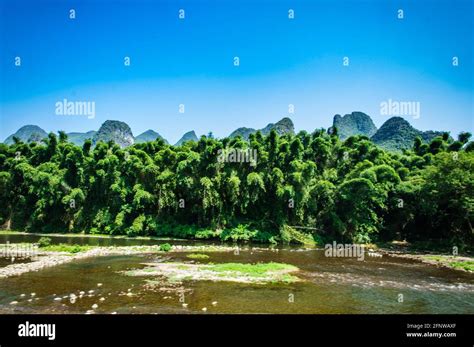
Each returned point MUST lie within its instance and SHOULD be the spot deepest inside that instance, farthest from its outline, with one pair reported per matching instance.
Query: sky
(190, 61)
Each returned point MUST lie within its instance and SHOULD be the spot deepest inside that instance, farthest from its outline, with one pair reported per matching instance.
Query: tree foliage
(350, 190)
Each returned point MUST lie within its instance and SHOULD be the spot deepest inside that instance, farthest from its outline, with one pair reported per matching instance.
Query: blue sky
(190, 62)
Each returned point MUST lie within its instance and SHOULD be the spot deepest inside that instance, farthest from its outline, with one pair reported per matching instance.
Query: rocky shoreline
(44, 259)
(49, 259)
(440, 260)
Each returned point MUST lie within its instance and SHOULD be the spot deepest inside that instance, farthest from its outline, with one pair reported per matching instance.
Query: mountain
(79, 138)
(148, 136)
(356, 123)
(242, 132)
(27, 133)
(116, 131)
(282, 127)
(397, 134)
(189, 136)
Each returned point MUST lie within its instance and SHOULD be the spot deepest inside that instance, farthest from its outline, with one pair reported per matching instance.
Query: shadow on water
(5, 261)
(93, 240)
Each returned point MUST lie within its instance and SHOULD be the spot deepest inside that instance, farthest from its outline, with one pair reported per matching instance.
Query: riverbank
(93, 236)
(436, 258)
(52, 255)
(239, 234)
(44, 259)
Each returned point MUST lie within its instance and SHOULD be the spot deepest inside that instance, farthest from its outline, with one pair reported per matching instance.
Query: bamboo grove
(301, 186)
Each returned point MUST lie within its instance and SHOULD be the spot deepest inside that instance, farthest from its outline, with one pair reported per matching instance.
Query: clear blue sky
(191, 62)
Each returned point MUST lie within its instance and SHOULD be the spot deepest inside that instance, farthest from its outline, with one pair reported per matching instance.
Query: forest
(308, 187)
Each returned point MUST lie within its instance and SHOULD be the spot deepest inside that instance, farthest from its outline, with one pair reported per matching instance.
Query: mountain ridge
(114, 130)
(189, 136)
(27, 133)
(395, 134)
(355, 123)
(149, 135)
(398, 134)
(283, 126)
(79, 138)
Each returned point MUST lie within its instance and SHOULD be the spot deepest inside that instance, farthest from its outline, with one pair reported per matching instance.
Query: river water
(330, 285)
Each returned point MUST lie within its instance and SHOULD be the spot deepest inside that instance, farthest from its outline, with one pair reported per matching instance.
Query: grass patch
(257, 273)
(148, 270)
(66, 248)
(197, 256)
(466, 265)
(260, 273)
(252, 270)
(437, 246)
(286, 278)
(451, 261)
(435, 257)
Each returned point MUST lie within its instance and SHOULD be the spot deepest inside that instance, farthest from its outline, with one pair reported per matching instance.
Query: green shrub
(102, 219)
(44, 242)
(362, 238)
(265, 237)
(165, 247)
(291, 235)
(137, 226)
(207, 234)
(75, 249)
(240, 233)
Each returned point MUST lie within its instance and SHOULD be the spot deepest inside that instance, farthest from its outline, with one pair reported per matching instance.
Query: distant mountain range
(80, 138)
(395, 134)
(284, 126)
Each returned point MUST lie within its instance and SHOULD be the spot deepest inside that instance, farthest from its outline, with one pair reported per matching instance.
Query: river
(329, 285)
